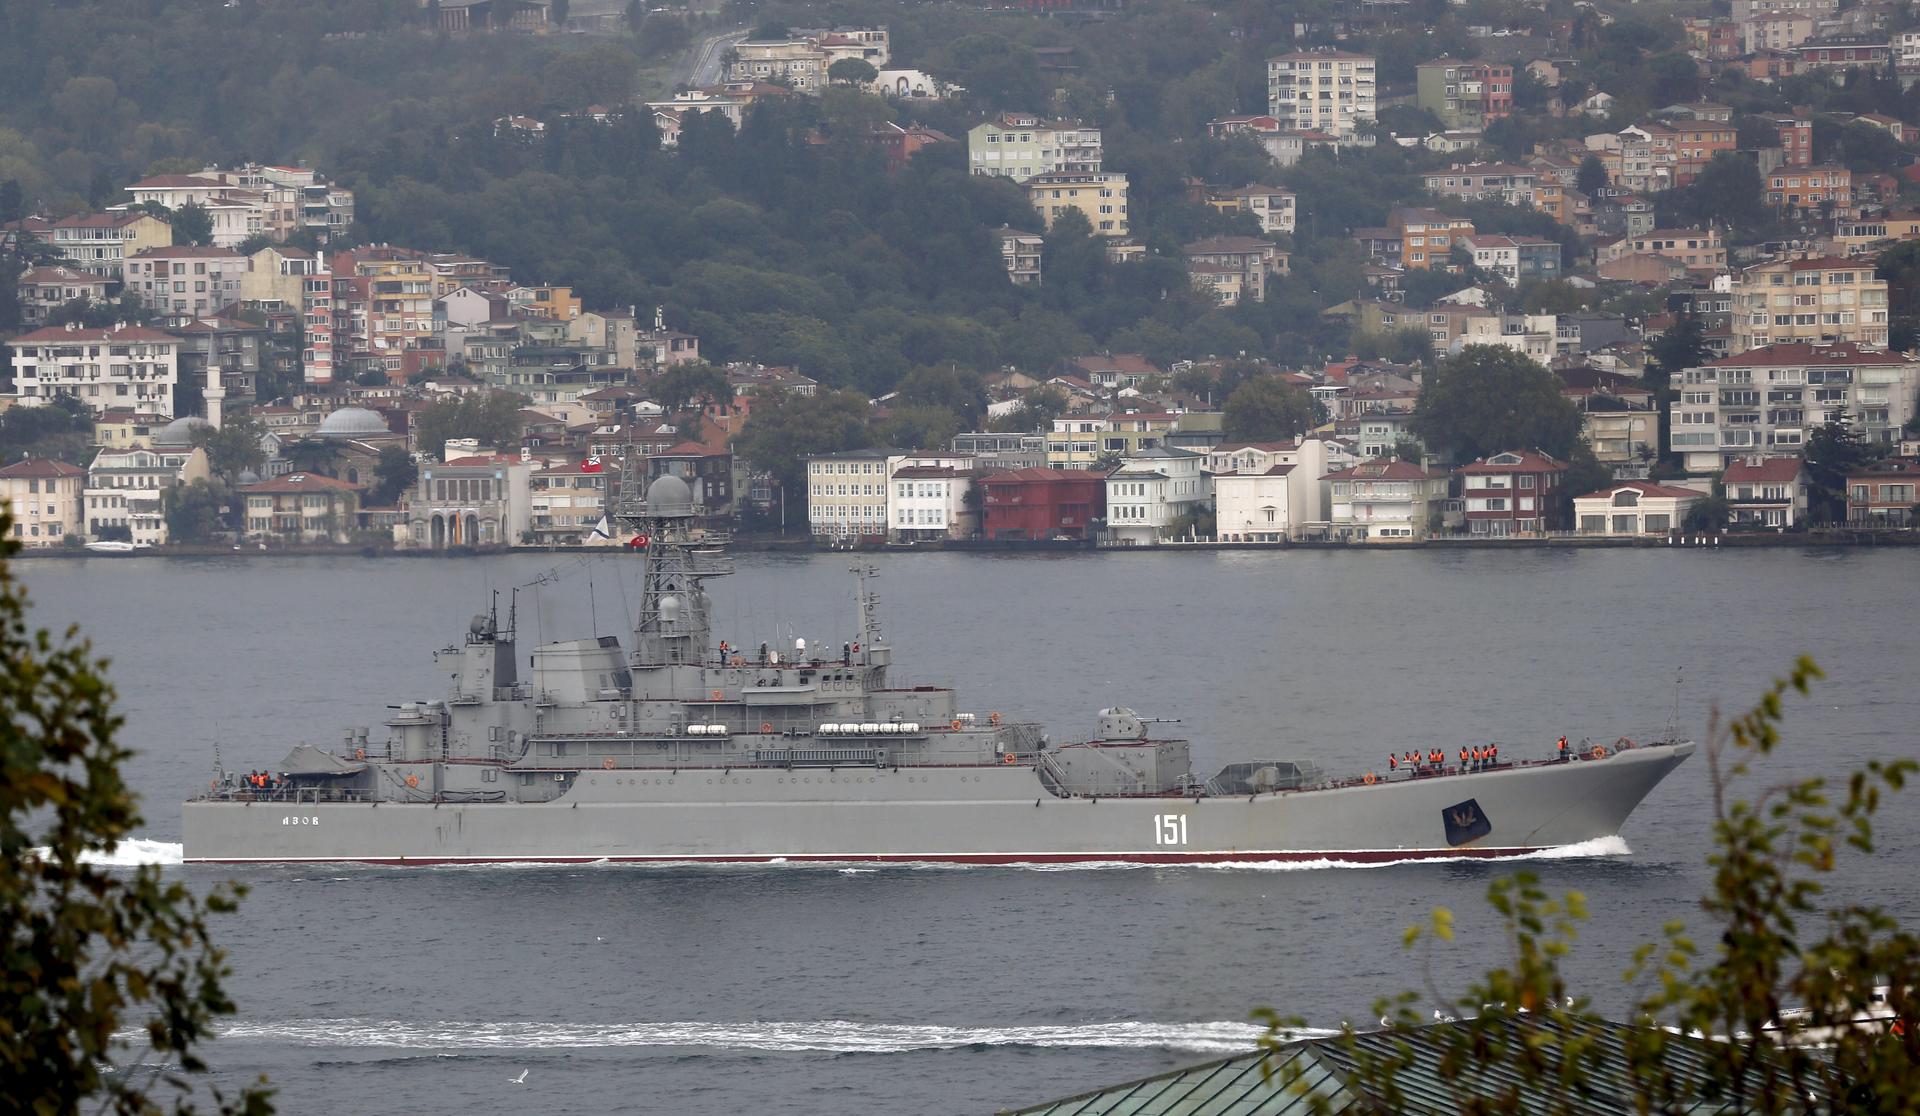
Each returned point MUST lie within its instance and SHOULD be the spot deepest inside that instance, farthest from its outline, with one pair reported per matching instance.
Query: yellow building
(46, 497)
(1100, 195)
(557, 303)
(1829, 299)
(1077, 441)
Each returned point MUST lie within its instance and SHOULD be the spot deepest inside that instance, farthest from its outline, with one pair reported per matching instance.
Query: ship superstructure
(681, 748)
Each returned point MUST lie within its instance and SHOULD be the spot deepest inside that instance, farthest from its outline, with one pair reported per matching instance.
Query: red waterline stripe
(1363, 856)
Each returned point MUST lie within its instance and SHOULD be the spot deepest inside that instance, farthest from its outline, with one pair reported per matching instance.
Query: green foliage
(1900, 267)
(783, 429)
(1834, 449)
(919, 428)
(192, 224)
(90, 953)
(394, 474)
(493, 417)
(1709, 514)
(59, 429)
(1489, 398)
(1592, 176)
(198, 513)
(1267, 409)
(232, 449)
(958, 391)
(1727, 192)
(852, 71)
(1682, 346)
(1585, 473)
(689, 385)
(1404, 345)
(1039, 406)
(1774, 942)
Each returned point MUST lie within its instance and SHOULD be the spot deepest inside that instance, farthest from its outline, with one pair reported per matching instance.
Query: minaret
(215, 395)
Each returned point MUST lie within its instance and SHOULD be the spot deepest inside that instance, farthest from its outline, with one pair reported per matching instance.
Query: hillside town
(1678, 317)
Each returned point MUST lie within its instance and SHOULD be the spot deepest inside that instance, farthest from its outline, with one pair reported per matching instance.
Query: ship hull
(978, 815)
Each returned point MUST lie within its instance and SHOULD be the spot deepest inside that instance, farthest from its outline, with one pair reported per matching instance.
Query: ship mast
(674, 623)
(870, 649)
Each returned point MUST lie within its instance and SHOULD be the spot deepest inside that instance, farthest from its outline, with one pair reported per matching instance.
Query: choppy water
(823, 989)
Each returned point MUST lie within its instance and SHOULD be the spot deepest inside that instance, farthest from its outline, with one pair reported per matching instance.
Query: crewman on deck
(1393, 763)
(1495, 757)
(1563, 749)
(1463, 757)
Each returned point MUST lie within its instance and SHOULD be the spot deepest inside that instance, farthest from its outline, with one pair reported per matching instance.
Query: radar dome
(179, 432)
(669, 495)
(352, 422)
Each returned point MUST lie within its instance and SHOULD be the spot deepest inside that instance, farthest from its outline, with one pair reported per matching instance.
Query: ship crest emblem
(1465, 822)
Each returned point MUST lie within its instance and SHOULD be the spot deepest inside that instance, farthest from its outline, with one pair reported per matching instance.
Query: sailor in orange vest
(1463, 757)
(1563, 749)
(1393, 763)
(1493, 755)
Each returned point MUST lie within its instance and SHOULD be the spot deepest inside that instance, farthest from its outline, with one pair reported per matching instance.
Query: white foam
(131, 853)
(823, 1036)
(1585, 850)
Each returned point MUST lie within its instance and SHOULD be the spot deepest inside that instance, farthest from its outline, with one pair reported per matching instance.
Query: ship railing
(1052, 775)
(822, 757)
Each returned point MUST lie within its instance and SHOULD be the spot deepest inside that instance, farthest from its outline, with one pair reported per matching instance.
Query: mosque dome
(352, 422)
(179, 432)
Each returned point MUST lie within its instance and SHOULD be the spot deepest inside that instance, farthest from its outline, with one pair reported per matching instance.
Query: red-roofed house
(1766, 491)
(1029, 505)
(1634, 508)
(127, 366)
(46, 498)
(301, 508)
(1516, 492)
(1385, 501)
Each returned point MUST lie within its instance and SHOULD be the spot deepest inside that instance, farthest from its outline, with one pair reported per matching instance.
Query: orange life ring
(956, 724)
(359, 753)
(1009, 757)
(766, 726)
(1598, 752)
(717, 694)
(1368, 778)
(993, 718)
(413, 780)
(607, 763)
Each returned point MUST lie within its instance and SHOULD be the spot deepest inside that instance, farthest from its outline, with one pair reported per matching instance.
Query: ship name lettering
(1169, 829)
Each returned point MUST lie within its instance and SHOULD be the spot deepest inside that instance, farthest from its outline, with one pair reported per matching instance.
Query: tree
(1585, 473)
(232, 449)
(784, 429)
(1834, 449)
(689, 385)
(1900, 267)
(1592, 176)
(1727, 192)
(192, 224)
(1682, 346)
(491, 417)
(11, 206)
(394, 474)
(89, 953)
(959, 391)
(196, 513)
(1709, 514)
(853, 71)
(1039, 406)
(920, 428)
(1772, 941)
(1489, 398)
(1267, 409)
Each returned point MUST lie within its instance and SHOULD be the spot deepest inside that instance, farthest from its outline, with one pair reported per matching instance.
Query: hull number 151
(1169, 829)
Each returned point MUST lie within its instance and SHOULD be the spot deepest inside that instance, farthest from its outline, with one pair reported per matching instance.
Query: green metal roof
(1325, 1067)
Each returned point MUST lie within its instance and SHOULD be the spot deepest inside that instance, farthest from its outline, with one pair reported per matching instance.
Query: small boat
(114, 546)
(1797, 1027)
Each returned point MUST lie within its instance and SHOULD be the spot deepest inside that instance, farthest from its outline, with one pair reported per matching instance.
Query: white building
(1271, 491)
(1151, 489)
(850, 495)
(1020, 145)
(1384, 501)
(126, 366)
(125, 488)
(1322, 91)
(1770, 400)
(932, 502)
(236, 213)
(1532, 335)
(1633, 508)
(185, 280)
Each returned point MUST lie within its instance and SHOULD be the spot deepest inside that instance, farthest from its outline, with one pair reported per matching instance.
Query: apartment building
(1321, 91)
(1517, 492)
(184, 280)
(1100, 196)
(45, 496)
(1504, 182)
(1694, 248)
(1465, 95)
(1768, 400)
(1272, 208)
(1020, 145)
(99, 243)
(1153, 489)
(42, 290)
(1427, 236)
(1825, 188)
(1824, 300)
(1022, 253)
(1247, 261)
(382, 306)
(124, 366)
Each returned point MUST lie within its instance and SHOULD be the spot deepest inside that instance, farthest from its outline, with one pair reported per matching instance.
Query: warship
(678, 750)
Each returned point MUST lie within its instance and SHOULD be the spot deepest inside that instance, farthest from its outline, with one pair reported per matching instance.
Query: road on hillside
(706, 67)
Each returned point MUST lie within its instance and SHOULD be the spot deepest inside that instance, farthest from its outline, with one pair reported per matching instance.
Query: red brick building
(1514, 493)
(1884, 495)
(1038, 504)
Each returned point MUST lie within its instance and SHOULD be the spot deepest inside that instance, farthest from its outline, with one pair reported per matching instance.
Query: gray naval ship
(678, 750)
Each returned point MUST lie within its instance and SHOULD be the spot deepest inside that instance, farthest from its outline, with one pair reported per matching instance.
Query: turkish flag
(591, 464)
